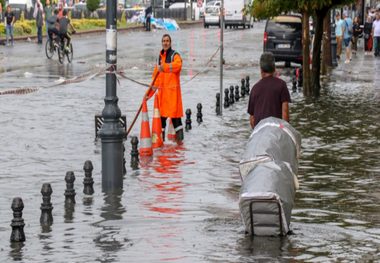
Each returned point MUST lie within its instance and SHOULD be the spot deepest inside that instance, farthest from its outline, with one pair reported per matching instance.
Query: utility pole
(111, 133)
(221, 55)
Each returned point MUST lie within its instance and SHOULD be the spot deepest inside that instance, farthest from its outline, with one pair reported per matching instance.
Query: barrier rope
(91, 74)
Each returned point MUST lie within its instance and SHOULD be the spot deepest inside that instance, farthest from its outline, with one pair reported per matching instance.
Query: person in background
(48, 12)
(64, 23)
(169, 68)
(270, 96)
(347, 35)
(1, 12)
(52, 25)
(357, 31)
(60, 10)
(10, 19)
(339, 34)
(367, 30)
(376, 34)
(148, 15)
(39, 16)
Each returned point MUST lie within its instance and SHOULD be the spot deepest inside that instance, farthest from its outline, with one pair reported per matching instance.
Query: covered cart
(268, 171)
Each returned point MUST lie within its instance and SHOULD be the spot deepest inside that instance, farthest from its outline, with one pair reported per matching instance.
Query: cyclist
(53, 26)
(64, 23)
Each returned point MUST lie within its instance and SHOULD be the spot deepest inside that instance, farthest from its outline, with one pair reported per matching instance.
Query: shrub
(17, 29)
(92, 5)
(26, 27)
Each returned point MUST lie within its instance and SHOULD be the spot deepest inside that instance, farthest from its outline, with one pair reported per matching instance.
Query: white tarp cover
(268, 170)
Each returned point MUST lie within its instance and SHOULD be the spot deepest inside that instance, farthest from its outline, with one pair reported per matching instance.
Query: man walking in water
(269, 97)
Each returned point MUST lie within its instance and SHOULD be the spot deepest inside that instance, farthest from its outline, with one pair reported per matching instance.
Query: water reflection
(16, 252)
(262, 248)
(110, 240)
(165, 183)
(46, 239)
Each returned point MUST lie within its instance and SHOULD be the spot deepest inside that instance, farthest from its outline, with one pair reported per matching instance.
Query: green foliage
(3, 5)
(92, 5)
(26, 27)
(269, 8)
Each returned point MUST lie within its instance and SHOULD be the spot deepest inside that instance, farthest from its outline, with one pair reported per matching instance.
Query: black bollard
(134, 153)
(46, 206)
(242, 89)
(188, 120)
(300, 78)
(217, 108)
(294, 84)
(88, 182)
(226, 98)
(17, 224)
(237, 96)
(70, 191)
(247, 85)
(232, 96)
(199, 113)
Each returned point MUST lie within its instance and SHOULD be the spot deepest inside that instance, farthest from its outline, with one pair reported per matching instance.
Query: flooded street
(182, 205)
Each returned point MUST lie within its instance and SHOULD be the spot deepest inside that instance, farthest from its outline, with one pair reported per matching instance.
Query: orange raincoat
(168, 84)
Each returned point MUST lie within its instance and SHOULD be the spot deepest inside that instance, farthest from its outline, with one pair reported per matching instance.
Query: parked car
(212, 14)
(283, 37)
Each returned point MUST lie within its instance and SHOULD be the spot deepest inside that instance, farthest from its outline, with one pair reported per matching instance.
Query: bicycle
(64, 50)
(51, 48)
(59, 47)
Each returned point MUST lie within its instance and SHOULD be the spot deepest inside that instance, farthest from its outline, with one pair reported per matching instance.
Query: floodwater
(182, 205)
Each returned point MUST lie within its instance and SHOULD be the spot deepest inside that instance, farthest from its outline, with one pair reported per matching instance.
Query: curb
(182, 24)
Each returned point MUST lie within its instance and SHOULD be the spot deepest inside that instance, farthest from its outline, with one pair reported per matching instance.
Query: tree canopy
(268, 8)
(319, 9)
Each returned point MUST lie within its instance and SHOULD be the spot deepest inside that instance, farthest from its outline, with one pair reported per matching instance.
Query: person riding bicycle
(64, 23)
(53, 26)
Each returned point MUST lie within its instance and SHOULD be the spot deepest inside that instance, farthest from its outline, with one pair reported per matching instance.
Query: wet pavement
(182, 206)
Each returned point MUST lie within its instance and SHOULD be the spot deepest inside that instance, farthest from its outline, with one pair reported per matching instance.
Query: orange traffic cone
(171, 131)
(156, 125)
(145, 139)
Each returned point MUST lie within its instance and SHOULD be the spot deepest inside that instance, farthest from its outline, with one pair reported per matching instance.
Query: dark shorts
(347, 42)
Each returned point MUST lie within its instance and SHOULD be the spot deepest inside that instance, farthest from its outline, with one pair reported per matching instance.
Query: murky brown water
(182, 206)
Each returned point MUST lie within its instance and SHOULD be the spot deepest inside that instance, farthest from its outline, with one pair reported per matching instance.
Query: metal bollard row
(46, 218)
(233, 94)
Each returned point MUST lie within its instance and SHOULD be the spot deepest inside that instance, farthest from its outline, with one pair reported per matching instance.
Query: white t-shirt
(376, 28)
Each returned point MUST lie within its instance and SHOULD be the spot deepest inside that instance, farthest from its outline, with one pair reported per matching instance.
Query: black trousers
(177, 123)
(147, 23)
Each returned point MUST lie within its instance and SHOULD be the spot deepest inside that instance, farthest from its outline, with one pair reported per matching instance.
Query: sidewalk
(139, 27)
(361, 72)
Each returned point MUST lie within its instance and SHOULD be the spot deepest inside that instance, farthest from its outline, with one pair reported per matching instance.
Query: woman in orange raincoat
(169, 67)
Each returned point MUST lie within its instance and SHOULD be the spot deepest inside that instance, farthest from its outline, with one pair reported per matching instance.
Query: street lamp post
(111, 133)
(221, 53)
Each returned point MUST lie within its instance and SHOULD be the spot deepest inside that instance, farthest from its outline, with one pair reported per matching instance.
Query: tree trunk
(326, 55)
(307, 91)
(316, 64)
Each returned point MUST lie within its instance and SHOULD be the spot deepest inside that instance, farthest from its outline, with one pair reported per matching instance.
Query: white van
(21, 4)
(234, 14)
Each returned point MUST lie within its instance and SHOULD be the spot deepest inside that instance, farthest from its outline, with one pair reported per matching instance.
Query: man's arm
(285, 111)
(173, 67)
(252, 121)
